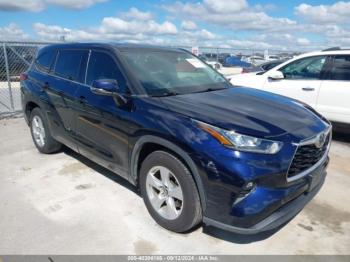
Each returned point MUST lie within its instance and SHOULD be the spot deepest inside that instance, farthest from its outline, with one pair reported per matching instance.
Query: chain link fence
(16, 57)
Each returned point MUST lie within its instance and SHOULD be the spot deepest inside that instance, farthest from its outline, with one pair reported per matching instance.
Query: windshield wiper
(169, 93)
(210, 90)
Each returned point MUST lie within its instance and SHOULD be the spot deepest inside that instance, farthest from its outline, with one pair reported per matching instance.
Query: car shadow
(101, 170)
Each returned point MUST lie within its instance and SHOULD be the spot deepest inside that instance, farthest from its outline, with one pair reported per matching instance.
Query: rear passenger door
(102, 126)
(334, 97)
(62, 88)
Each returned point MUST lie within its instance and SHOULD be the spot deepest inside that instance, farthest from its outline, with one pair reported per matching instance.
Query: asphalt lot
(65, 204)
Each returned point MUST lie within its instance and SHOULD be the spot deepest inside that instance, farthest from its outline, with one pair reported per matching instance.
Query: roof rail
(332, 49)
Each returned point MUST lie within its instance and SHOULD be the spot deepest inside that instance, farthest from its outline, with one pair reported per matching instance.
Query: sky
(258, 24)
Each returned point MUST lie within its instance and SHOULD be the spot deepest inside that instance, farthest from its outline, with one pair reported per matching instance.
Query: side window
(45, 60)
(269, 66)
(341, 68)
(102, 66)
(309, 68)
(68, 64)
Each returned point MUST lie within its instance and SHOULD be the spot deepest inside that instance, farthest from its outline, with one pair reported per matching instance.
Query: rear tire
(41, 135)
(169, 192)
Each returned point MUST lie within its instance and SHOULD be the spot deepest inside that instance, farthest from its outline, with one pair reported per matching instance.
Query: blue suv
(199, 149)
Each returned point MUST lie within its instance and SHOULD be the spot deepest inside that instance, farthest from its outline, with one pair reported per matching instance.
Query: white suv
(320, 79)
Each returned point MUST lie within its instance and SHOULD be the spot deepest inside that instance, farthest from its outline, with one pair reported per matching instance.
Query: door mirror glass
(105, 86)
(276, 75)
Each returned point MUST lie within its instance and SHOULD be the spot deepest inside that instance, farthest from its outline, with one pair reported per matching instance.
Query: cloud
(225, 6)
(261, 31)
(12, 32)
(275, 42)
(137, 30)
(202, 34)
(75, 4)
(134, 13)
(303, 41)
(50, 32)
(39, 5)
(22, 5)
(337, 35)
(339, 12)
(117, 25)
(188, 25)
(232, 14)
(134, 26)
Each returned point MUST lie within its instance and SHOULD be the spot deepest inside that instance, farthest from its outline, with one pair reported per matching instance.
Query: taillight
(23, 77)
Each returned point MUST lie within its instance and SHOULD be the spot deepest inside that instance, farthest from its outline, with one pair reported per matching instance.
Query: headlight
(241, 142)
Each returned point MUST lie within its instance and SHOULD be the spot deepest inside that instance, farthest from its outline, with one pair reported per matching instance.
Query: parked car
(263, 67)
(320, 79)
(255, 60)
(212, 62)
(234, 61)
(197, 148)
(273, 57)
(222, 57)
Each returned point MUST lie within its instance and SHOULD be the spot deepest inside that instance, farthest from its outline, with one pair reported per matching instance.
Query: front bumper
(277, 218)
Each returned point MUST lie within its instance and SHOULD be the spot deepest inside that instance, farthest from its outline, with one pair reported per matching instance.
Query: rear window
(341, 68)
(68, 64)
(45, 60)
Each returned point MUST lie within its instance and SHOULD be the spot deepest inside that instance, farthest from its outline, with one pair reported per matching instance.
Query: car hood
(249, 111)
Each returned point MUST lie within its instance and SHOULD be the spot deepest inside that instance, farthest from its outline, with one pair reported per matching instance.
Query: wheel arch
(160, 143)
(29, 106)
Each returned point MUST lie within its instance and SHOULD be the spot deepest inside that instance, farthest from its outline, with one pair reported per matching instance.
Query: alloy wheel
(38, 131)
(164, 192)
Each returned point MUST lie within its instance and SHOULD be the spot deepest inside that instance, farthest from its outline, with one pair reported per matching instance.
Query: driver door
(102, 126)
(302, 79)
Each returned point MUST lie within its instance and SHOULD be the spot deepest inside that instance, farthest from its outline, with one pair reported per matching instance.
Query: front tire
(41, 135)
(169, 192)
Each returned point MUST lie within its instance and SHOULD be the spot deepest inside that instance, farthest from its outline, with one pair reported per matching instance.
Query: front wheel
(169, 192)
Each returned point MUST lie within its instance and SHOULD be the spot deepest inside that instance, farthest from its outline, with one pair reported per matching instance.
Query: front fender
(173, 147)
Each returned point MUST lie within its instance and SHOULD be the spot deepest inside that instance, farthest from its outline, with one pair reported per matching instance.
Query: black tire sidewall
(191, 204)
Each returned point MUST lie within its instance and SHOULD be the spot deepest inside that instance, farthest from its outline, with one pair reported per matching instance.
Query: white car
(272, 58)
(320, 79)
(256, 60)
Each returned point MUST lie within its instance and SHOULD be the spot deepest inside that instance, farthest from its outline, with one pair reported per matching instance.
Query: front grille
(306, 156)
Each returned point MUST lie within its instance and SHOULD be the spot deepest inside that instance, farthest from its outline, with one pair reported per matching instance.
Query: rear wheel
(169, 192)
(42, 138)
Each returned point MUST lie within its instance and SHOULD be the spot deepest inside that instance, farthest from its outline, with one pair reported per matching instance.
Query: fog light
(244, 192)
(248, 186)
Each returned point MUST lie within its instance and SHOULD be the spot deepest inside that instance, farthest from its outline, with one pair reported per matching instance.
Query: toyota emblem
(321, 139)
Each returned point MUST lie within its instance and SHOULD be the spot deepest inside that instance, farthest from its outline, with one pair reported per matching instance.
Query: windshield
(168, 72)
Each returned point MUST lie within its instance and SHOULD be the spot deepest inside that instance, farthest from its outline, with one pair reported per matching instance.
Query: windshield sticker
(196, 63)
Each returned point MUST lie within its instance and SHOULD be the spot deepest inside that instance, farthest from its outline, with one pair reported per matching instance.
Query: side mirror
(104, 87)
(109, 87)
(276, 75)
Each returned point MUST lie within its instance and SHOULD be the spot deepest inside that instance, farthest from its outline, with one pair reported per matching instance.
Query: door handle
(45, 86)
(308, 89)
(82, 99)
